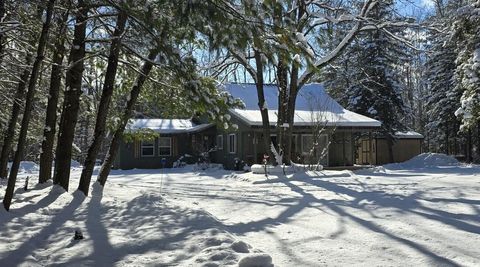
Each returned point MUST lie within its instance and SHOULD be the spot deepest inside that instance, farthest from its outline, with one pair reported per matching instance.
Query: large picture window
(232, 143)
(165, 146)
(148, 147)
(219, 142)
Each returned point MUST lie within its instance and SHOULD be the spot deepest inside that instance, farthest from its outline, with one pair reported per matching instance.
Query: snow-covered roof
(313, 106)
(166, 126)
(408, 135)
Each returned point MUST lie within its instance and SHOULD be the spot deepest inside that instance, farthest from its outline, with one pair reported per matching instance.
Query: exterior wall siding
(403, 150)
(249, 147)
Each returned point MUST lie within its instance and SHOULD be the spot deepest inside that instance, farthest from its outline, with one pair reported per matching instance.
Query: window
(165, 146)
(307, 143)
(219, 142)
(148, 147)
(232, 143)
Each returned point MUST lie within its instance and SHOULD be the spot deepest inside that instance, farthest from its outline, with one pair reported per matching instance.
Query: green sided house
(337, 145)
(177, 138)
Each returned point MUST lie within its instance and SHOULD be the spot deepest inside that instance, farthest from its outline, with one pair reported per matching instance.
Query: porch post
(254, 141)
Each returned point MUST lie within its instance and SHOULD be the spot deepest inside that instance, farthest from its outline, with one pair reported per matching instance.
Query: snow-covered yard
(424, 212)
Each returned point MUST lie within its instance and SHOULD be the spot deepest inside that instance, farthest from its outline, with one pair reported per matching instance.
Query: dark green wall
(249, 147)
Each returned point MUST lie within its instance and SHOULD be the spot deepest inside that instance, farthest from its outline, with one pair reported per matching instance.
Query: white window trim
(234, 144)
(220, 144)
(147, 146)
(170, 146)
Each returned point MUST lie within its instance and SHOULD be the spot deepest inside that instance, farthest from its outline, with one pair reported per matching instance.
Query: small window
(307, 143)
(232, 143)
(165, 146)
(219, 142)
(148, 147)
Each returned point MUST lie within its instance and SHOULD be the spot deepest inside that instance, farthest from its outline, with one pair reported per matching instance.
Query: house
(177, 137)
(315, 109)
(337, 144)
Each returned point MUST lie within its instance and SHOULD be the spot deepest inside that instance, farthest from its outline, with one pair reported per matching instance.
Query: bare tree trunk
(12, 123)
(71, 101)
(282, 73)
(469, 145)
(478, 142)
(46, 156)
(2, 16)
(447, 141)
(107, 92)
(261, 104)
(117, 135)
(42, 41)
(292, 98)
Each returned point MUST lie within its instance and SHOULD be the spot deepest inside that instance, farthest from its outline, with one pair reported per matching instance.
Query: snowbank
(260, 169)
(223, 250)
(425, 160)
(256, 260)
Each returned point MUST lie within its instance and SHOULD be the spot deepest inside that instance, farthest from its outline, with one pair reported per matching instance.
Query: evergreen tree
(466, 34)
(377, 91)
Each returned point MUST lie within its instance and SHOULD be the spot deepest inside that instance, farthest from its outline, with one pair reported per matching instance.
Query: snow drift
(425, 160)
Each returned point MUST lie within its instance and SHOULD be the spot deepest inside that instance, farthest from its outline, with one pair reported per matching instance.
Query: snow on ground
(122, 226)
(425, 212)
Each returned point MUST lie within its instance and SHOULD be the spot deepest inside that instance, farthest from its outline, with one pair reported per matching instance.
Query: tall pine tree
(377, 89)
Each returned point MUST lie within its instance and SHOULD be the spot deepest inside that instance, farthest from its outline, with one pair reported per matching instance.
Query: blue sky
(415, 8)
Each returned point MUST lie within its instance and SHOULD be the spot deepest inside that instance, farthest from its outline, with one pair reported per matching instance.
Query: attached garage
(373, 150)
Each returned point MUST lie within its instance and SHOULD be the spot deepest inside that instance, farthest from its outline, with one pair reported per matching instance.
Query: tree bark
(2, 16)
(282, 74)
(104, 105)
(71, 103)
(46, 156)
(42, 41)
(261, 104)
(469, 145)
(12, 123)
(478, 142)
(117, 136)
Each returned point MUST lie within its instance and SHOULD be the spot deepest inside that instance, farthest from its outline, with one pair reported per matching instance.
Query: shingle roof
(313, 106)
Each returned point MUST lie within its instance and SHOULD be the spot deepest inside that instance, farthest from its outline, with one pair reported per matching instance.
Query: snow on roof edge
(409, 135)
(167, 126)
(369, 123)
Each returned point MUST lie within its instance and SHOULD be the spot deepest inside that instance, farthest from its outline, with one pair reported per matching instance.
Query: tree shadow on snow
(40, 240)
(141, 226)
(403, 204)
(357, 199)
(35, 206)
